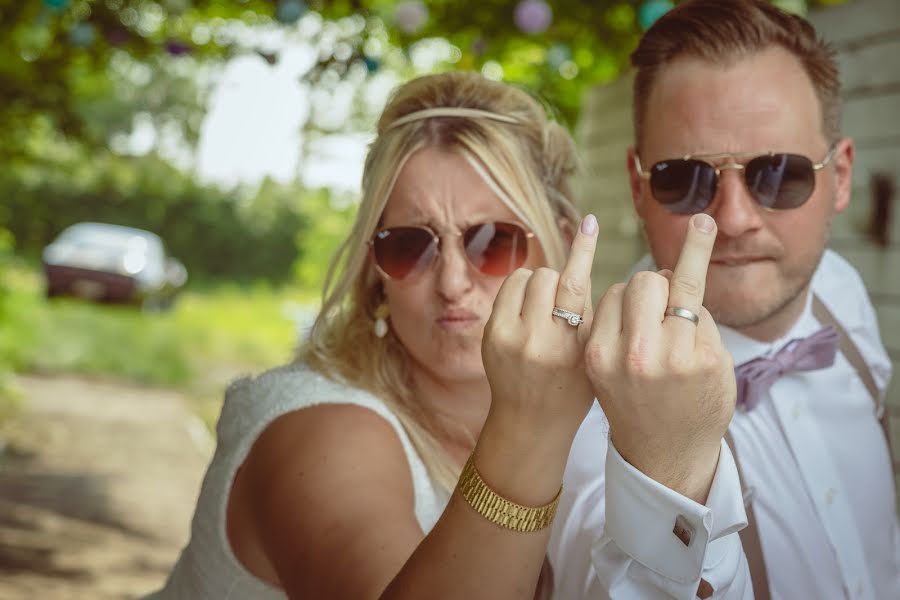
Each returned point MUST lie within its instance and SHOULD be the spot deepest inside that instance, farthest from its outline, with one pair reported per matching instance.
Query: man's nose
(735, 210)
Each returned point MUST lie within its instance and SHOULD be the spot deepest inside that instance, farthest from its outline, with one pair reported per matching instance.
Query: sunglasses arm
(640, 170)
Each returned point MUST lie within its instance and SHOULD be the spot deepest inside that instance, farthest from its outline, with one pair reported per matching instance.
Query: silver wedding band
(574, 319)
(677, 311)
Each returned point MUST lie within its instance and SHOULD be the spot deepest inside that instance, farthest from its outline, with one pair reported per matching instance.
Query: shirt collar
(744, 348)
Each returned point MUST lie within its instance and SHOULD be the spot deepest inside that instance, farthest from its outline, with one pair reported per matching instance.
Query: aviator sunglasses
(493, 248)
(777, 181)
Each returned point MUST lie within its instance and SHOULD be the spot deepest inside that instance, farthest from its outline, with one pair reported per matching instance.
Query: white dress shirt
(814, 461)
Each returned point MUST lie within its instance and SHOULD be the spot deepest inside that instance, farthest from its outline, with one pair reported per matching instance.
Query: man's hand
(666, 384)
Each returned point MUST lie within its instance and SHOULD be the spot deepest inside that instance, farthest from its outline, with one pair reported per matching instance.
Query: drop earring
(381, 315)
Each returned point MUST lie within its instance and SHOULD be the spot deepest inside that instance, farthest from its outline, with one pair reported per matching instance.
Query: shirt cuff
(641, 515)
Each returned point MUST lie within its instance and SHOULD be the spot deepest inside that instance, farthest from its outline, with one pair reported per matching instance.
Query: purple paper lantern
(117, 36)
(411, 16)
(176, 48)
(479, 46)
(533, 16)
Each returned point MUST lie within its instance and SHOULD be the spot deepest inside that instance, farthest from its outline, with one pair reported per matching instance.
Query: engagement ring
(574, 319)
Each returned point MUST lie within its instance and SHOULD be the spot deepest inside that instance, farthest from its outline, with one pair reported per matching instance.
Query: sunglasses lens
(683, 186)
(781, 181)
(403, 251)
(496, 248)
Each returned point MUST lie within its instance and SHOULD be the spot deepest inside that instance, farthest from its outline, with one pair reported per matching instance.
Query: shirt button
(797, 410)
(829, 498)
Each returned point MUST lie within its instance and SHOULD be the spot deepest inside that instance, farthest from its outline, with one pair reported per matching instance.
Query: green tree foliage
(56, 56)
(74, 73)
(7, 398)
(220, 234)
(330, 220)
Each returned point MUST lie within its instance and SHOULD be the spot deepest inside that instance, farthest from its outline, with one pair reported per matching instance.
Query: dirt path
(97, 486)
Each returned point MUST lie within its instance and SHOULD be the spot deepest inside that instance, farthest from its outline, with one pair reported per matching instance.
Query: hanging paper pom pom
(289, 11)
(411, 16)
(651, 10)
(82, 34)
(372, 65)
(176, 48)
(479, 46)
(533, 16)
(117, 36)
(557, 54)
(56, 4)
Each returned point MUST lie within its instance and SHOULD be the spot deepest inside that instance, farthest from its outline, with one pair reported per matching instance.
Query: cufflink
(704, 590)
(683, 530)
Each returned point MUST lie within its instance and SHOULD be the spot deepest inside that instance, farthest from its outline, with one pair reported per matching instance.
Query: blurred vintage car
(112, 263)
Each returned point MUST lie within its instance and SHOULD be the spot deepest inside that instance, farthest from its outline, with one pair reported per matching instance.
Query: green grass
(208, 334)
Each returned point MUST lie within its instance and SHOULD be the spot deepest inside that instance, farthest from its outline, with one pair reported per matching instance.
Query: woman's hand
(535, 360)
(666, 384)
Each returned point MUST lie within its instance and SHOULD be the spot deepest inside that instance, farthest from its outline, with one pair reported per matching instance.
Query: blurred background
(175, 175)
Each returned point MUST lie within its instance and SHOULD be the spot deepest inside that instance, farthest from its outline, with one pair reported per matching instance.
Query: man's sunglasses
(495, 248)
(777, 181)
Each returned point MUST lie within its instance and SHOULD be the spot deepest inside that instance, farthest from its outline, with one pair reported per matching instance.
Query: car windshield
(107, 238)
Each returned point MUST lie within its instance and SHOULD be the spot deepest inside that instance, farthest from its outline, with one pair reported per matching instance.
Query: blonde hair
(526, 159)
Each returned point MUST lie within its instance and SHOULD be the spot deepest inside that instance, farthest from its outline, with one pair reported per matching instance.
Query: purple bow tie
(756, 376)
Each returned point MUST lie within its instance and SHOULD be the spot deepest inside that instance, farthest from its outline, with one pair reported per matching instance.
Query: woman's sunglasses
(777, 181)
(493, 248)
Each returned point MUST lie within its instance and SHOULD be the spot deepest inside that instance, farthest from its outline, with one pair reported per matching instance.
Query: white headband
(450, 111)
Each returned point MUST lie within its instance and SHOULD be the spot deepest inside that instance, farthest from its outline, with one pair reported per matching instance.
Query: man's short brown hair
(723, 31)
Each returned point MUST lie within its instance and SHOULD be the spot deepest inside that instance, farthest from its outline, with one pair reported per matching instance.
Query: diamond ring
(574, 319)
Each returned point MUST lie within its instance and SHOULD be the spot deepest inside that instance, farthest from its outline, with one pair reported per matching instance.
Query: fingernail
(589, 225)
(703, 222)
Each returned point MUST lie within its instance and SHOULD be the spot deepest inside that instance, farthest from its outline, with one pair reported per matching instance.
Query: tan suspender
(750, 537)
(750, 534)
(854, 357)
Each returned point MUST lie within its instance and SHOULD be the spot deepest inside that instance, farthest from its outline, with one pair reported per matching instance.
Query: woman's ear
(565, 227)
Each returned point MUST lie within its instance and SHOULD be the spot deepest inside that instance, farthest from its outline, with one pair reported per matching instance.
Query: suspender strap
(750, 534)
(854, 357)
(750, 537)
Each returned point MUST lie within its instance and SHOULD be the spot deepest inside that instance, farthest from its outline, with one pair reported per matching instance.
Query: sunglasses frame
(735, 166)
(436, 239)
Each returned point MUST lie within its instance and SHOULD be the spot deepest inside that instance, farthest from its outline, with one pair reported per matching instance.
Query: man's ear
(636, 183)
(844, 153)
